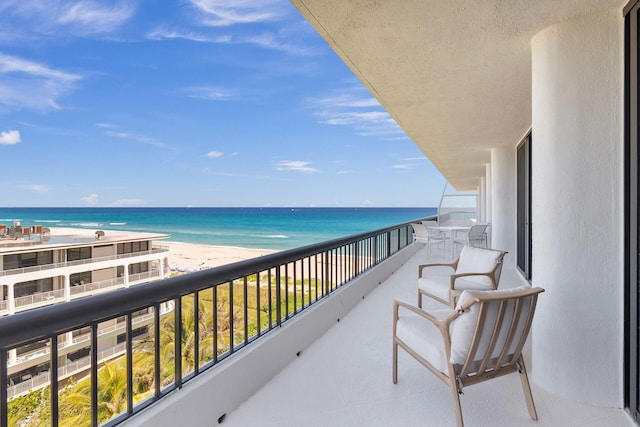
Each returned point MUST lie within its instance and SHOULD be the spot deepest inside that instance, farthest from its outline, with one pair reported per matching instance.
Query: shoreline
(199, 256)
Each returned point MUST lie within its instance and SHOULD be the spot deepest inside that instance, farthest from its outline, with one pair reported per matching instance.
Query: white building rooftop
(60, 237)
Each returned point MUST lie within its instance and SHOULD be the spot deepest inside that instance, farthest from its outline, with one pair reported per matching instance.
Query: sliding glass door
(632, 255)
(523, 196)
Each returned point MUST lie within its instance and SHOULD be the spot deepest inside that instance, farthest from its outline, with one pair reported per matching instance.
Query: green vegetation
(33, 409)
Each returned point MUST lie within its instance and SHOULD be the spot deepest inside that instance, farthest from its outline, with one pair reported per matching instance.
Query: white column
(126, 275)
(67, 288)
(11, 299)
(488, 192)
(482, 200)
(503, 202)
(577, 208)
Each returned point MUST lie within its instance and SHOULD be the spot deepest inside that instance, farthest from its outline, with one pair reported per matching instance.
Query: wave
(87, 224)
(47, 220)
(277, 236)
(117, 223)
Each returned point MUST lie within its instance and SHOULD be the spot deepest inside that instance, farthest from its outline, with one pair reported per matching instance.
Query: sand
(190, 256)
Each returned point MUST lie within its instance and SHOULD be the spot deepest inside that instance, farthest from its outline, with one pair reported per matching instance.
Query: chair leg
(526, 388)
(419, 299)
(457, 409)
(395, 361)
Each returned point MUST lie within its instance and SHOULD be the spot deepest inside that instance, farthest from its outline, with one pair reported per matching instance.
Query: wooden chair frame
(493, 275)
(477, 368)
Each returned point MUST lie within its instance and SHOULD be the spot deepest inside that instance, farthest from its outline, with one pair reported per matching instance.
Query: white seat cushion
(423, 337)
(439, 286)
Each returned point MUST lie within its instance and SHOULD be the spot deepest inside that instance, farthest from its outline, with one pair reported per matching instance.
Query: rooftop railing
(217, 312)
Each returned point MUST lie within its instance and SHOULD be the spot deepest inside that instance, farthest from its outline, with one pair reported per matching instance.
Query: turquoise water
(264, 228)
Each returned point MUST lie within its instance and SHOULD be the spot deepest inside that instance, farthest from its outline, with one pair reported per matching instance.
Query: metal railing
(216, 312)
(96, 286)
(12, 271)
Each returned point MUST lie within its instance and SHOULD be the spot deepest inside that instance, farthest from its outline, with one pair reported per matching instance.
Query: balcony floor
(344, 379)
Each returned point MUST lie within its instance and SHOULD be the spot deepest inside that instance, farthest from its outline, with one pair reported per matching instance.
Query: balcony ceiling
(455, 75)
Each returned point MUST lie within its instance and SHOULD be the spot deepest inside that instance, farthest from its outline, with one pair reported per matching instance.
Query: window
(33, 287)
(140, 267)
(75, 254)
(80, 278)
(632, 222)
(523, 200)
(133, 247)
(25, 260)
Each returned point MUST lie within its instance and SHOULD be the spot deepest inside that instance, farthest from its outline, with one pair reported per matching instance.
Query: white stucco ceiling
(454, 74)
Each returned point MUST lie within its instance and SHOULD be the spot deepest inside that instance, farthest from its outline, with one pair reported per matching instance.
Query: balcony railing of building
(136, 322)
(39, 299)
(11, 271)
(217, 312)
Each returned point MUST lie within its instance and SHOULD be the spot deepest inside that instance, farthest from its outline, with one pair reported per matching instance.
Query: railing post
(53, 389)
(178, 342)
(94, 374)
(278, 298)
(4, 419)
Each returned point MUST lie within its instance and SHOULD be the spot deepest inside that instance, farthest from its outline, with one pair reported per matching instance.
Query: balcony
(344, 378)
(149, 255)
(321, 354)
(41, 299)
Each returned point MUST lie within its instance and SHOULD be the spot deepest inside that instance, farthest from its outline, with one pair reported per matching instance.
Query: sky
(191, 103)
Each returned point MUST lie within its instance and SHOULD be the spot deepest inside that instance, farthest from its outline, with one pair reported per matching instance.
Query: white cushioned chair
(475, 269)
(482, 338)
(430, 236)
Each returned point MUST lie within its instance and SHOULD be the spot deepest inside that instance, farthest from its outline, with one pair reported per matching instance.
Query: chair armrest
(489, 274)
(441, 324)
(421, 267)
(398, 303)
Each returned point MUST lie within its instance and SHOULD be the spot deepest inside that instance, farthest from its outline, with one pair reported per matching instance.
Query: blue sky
(191, 103)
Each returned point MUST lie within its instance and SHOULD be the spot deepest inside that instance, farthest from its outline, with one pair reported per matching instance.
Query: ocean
(259, 228)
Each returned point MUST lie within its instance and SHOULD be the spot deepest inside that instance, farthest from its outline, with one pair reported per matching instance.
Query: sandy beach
(189, 255)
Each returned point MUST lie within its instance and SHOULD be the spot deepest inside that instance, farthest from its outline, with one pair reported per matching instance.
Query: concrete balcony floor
(344, 379)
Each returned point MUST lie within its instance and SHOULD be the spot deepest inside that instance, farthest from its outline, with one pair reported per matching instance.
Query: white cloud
(295, 165)
(354, 107)
(209, 93)
(214, 154)
(143, 139)
(402, 166)
(128, 202)
(46, 17)
(221, 13)
(161, 34)
(10, 137)
(90, 200)
(94, 17)
(28, 84)
(38, 188)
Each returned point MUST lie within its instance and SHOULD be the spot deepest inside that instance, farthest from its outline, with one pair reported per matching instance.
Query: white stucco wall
(503, 202)
(577, 184)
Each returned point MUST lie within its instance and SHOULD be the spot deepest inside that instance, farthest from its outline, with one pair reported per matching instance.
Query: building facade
(41, 267)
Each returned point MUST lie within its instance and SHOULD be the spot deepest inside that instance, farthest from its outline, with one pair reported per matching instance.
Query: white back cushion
(477, 260)
(463, 328)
